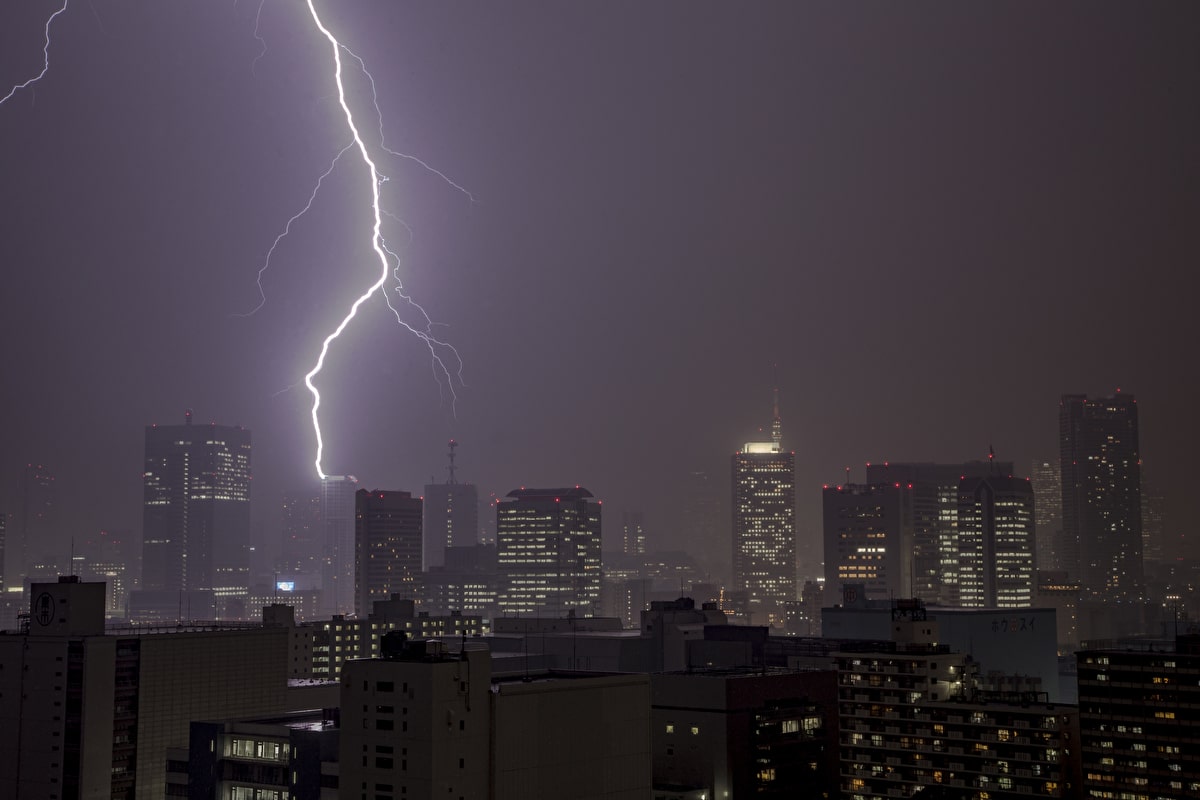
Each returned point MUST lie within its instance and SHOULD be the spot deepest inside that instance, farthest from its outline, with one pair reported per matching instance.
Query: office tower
(935, 556)
(196, 508)
(1047, 506)
(301, 529)
(451, 515)
(633, 534)
(764, 522)
(1139, 708)
(995, 542)
(868, 540)
(1102, 493)
(337, 543)
(387, 546)
(548, 550)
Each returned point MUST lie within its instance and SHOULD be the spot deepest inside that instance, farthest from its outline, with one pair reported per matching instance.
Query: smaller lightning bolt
(258, 37)
(382, 141)
(287, 229)
(45, 58)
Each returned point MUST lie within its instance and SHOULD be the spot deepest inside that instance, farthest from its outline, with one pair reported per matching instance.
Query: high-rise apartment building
(764, 522)
(1047, 506)
(1138, 712)
(387, 543)
(196, 508)
(995, 535)
(868, 539)
(451, 515)
(337, 543)
(915, 721)
(1101, 489)
(548, 550)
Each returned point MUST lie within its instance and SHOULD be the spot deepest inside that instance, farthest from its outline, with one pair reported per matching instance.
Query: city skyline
(836, 193)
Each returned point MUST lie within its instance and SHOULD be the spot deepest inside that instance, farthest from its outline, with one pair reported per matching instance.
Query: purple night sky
(936, 218)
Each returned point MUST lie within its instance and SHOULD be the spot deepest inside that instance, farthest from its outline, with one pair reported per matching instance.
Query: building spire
(776, 422)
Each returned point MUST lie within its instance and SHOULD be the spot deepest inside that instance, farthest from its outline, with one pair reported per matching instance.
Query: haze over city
(934, 220)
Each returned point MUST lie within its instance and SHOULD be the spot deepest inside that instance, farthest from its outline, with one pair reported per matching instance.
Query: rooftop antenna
(847, 476)
(776, 422)
(450, 469)
(991, 460)
(187, 416)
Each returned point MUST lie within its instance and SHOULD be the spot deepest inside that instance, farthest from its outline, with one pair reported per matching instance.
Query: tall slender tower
(196, 508)
(764, 520)
(1102, 493)
(451, 515)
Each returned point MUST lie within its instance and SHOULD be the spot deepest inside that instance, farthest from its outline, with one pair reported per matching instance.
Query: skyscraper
(337, 540)
(548, 550)
(1101, 489)
(196, 508)
(451, 515)
(764, 521)
(1047, 495)
(995, 534)
(387, 546)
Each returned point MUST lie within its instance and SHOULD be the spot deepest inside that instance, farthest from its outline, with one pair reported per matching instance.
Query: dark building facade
(196, 508)
(1101, 494)
(387, 546)
(744, 733)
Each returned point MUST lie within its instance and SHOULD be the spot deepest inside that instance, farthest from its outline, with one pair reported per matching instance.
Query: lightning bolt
(378, 245)
(45, 58)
